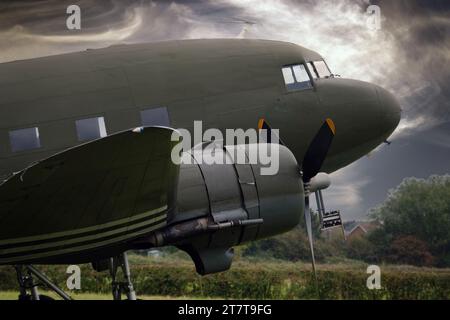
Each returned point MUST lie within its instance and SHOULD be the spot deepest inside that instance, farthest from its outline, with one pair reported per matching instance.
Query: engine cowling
(223, 205)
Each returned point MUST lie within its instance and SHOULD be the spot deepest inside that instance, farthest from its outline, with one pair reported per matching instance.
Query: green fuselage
(224, 83)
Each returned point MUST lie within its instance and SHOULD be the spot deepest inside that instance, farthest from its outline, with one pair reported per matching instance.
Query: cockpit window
(296, 77)
(312, 70)
(321, 69)
(288, 76)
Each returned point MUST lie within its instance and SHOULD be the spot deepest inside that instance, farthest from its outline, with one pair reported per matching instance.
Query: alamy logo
(374, 280)
(373, 21)
(74, 280)
(73, 22)
(264, 154)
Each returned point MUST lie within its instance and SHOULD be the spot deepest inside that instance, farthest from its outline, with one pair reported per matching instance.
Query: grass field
(175, 278)
(12, 295)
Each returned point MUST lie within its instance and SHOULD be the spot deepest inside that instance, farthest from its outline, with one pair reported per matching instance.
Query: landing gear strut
(328, 220)
(125, 286)
(26, 281)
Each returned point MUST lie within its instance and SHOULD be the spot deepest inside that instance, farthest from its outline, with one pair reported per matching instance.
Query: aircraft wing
(98, 194)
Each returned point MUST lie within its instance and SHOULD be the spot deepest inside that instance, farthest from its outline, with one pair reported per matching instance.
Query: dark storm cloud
(409, 55)
(422, 33)
(41, 25)
(420, 155)
(48, 16)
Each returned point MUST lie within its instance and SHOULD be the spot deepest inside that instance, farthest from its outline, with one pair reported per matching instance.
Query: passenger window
(296, 77)
(24, 139)
(155, 117)
(322, 69)
(91, 129)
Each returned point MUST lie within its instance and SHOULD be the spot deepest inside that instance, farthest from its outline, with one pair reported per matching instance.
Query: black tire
(24, 297)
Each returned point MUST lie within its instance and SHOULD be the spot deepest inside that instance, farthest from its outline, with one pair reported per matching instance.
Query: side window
(91, 129)
(296, 77)
(155, 117)
(24, 139)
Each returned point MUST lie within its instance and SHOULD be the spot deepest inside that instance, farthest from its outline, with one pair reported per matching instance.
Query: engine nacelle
(223, 205)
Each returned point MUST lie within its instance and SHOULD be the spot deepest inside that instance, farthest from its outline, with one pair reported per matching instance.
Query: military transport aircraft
(86, 139)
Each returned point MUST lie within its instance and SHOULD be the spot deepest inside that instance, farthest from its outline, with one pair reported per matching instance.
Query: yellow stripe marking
(261, 123)
(81, 248)
(81, 239)
(83, 230)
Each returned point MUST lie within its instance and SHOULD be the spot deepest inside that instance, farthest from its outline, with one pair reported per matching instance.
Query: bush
(419, 208)
(259, 281)
(361, 249)
(410, 250)
(294, 246)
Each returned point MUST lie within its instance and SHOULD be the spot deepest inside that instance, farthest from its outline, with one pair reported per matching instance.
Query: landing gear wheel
(24, 297)
(27, 297)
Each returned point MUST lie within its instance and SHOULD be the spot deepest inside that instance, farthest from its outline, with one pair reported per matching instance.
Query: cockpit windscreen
(319, 69)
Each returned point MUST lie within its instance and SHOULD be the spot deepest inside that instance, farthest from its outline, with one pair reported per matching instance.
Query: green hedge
(255, 281)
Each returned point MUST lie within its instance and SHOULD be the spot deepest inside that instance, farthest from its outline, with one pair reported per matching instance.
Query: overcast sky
(409, 55)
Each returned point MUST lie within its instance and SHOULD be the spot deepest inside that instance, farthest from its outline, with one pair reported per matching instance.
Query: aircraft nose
(390, 110)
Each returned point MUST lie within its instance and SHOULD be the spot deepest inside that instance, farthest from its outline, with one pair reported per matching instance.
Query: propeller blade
(312, 162)
(263, 124)
(310, 236)
(317, 150)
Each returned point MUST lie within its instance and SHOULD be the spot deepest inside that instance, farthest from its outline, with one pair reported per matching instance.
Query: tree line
(414, 229)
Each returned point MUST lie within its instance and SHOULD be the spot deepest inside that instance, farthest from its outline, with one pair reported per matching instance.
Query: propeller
(312, 162)
(263, 125)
